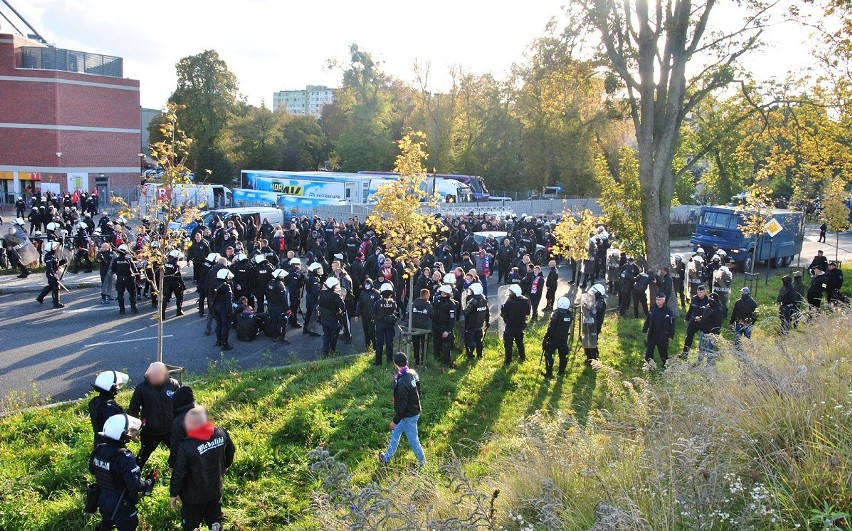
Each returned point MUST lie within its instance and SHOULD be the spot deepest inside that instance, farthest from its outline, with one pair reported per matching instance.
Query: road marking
(124, 341)
(92, 309)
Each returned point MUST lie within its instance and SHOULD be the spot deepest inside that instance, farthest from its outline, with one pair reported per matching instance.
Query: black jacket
(385, 311)
(331, 306)
(476, 314)
(745, 311)
(115, 470)
(200, 466)
(445, 315)
(711, 319)
(659, 323)
(515, 312)
(817, 287)
(155, 404)
(551, 282)
(559, 328)
(366, 306)
(182, 401)
(101, 408)
(406, 395)
(696, 307)
(422, 313)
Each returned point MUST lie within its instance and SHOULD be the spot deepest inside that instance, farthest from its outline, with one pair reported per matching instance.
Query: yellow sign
(288, 189)
(772, 227)
(6, 176)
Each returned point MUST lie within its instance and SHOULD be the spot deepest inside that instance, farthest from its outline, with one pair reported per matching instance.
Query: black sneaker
(227, 346)
(121, 311)
(58, 305)
(134, 310)
(40, 301)
(178, 313)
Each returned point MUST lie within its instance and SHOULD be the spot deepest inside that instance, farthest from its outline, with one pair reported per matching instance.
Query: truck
(448, 190)
(203, 196)
(474, 182)
(720, 227)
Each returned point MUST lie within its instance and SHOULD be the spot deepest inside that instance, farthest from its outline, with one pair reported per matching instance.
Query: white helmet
(155, 244)
(295, 261)
(331, 282)
(37, 234)
(678, 258)
(698, 259)
(699, 250)
(449, 278)
(259, 259)
(174, 253)
(18, 221)
(212, 257)
(279, 273)
(564, 303)
(475, 288)
(599, 288)
(117, 426)
(724, 269)
(516, 290)
(83, 225)
(445, 289)
(52, 226)
(716, 258)
(385, 287)
(314, 266)
(110, 380)
(51, 246)
(241, 256)
(224, 274)
(124, 248)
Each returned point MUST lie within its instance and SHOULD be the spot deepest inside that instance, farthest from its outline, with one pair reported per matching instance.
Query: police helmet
(259, 259)
(51, 246)
(449, 278)
(279, 273)
(599, 288)
(716, 258)
(110, 381)
(174, 253)
(724, 269)
(475, 288)
(699, 250)
(52, 226)
(314, 266)
(241, 256)
(123, 248)
(386, 288)
(515, 290)
(224, 274)
(212, 257)
(155, 244)
(678, 258)
(37, 234)
(445, 289)
(331, 282)
(698, 259)
(120, 427)
(564, 303)
(19, 222)
(295, 262)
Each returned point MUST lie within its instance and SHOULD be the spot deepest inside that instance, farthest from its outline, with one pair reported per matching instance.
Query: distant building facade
(68, 121)
(148, 116)
(308, 102)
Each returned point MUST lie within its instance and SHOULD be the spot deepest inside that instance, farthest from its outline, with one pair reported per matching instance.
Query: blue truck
(719, 227)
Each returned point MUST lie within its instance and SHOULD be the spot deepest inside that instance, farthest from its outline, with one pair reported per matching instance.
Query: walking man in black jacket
(203, 458)
(659, 327)
(103, 406)
(557, 335)
(153, 398)
(743, 316)
(406, 404)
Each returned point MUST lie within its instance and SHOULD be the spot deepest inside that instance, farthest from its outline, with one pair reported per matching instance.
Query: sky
(277, 45)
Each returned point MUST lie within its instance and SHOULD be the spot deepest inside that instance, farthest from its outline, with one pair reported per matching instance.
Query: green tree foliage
(365, 141)
(621, 201)
(304, 145)
(835, 210)
(207, 93)
(254, 136)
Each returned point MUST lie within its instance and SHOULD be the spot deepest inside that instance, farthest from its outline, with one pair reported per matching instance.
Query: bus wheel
(749, 261)
(774, 263)
(451, 199)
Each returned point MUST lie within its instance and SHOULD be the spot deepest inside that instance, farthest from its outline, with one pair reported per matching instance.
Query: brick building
(68, 120)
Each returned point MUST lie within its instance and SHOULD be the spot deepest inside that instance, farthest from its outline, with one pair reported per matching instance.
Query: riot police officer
(312, 292)
(443, 324)
(365, 310)
(125, 278)
(81, 246)
(330, 310)
(279, 305)
(103, 406)
(51, 271)
(172, 283)
(295, 285)
(242, 281)
(118, 476)
(556, 337)
(476, 318)
(385, 315)
(262, 275)
(659, 327)
(592, 311)
(697, 305)
(678, 278)
(515, 313)
(222, 301)
(203, 279)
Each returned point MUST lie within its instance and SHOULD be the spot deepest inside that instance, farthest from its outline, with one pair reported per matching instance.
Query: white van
(274, 215)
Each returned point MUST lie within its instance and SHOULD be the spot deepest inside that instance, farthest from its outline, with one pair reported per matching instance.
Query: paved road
(56, 353)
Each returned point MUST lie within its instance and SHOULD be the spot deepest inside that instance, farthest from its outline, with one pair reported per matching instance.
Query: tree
(365, 141)
(304, 145)
(621, 202)
(572, 234)
(650, 46)
(207, 93)
(835, 210)
(755, 214)
(170, 154)
(398, 217)
(254, 138)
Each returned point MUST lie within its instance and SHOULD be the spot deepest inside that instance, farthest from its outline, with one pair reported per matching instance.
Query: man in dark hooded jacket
(153, 398)
(182, 401)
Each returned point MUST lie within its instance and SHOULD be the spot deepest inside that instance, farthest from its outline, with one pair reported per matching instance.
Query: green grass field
(276, 416)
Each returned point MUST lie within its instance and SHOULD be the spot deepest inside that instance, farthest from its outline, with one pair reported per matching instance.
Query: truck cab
(720, 227)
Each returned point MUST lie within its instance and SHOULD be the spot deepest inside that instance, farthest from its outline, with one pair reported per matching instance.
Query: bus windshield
(719, 220)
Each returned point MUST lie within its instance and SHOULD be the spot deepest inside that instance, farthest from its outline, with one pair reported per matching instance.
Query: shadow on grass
(582, 392)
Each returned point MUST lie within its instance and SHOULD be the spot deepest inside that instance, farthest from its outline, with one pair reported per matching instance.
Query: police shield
(502, 297)
(21, 245)
(588, 330)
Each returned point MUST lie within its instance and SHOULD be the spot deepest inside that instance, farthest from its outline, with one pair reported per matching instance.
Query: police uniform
(556, 340)
(476, 316)
(444, 321)
(125, 279)
(659, 325)
(243, 285)
(331, 309)
(312, 292)
(172, 285)
(120, 481)
(697, 305)
(222, 301)
(278, 309)
(421, 318)
(515, 312)
(385, 314)
(51, 271)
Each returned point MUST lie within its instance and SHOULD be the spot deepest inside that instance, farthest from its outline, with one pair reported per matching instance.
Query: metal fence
(49, 58)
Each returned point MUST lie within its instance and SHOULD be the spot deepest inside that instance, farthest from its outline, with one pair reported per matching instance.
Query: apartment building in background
(307, 102)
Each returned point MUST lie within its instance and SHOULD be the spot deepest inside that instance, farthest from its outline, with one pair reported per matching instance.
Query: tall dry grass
(761, 440)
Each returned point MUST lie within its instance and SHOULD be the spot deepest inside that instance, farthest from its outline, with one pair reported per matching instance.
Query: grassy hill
(760, 441)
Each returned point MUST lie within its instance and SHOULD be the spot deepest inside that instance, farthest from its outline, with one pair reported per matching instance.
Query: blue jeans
(706, 347)
(408, 426)
(483, 279)
(739, 331)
